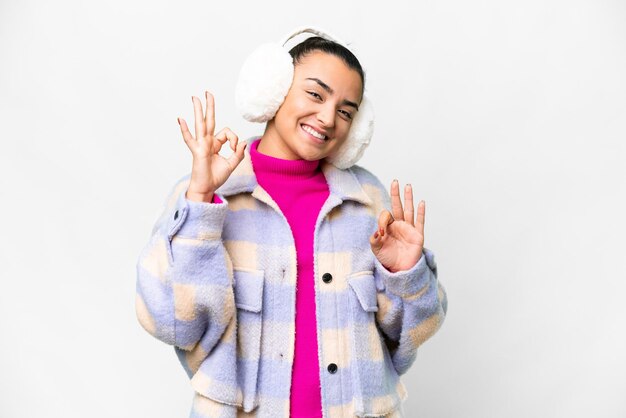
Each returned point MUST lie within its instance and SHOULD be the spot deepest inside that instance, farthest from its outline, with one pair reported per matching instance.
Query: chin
(310, 156)
(305, 151)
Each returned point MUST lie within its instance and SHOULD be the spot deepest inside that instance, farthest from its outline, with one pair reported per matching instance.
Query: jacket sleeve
(412, 304)
(184, 292)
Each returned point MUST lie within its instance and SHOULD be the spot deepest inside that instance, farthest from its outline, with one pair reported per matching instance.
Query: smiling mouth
(313, 132)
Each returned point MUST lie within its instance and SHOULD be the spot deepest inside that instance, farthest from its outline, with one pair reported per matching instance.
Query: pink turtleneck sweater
(300, 189)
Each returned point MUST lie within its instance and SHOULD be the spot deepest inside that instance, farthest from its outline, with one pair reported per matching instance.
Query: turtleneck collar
(269, 165)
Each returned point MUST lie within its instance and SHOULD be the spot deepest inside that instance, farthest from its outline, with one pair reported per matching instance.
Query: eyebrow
(331, 91)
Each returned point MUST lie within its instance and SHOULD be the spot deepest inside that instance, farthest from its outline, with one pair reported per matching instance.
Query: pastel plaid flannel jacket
(218, 282)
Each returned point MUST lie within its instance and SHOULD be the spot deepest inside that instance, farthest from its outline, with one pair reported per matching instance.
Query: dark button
(332, 368)
(176, 215)
(327, 277)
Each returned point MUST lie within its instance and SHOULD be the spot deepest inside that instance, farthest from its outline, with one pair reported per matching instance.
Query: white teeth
(313, 132)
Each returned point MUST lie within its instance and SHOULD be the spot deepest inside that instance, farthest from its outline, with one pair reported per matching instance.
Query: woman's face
(322, 101)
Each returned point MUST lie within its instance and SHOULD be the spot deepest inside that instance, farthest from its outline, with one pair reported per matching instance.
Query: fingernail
(178, 120)
(376, 234)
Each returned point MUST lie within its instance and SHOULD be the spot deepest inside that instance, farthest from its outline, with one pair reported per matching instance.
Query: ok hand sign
(399, 240)
(210, 170)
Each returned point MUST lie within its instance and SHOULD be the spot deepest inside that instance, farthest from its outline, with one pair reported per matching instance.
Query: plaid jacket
(217, 281)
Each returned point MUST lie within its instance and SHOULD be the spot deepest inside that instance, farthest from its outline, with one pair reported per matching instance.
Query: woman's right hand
(209, 170)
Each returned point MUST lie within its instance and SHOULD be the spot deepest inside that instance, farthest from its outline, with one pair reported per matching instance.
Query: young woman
(288, 286)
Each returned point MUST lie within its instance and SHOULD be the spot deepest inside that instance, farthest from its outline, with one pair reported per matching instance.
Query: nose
(326, 115)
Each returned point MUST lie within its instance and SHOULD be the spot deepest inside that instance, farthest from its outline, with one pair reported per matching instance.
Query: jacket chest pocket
(248, 286)
(377, 389)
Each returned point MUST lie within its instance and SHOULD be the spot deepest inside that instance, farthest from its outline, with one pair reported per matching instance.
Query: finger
(421, 216)
(384, 219)
(227, 134)
(396, 204)
(219, 140)
(209, 119)
(189, 139)
(233, 138)
(408, 205)
(197, 110)
(237, 156)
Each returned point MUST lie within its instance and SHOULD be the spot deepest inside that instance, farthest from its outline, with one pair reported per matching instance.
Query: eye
(314, 94)
(347, 114)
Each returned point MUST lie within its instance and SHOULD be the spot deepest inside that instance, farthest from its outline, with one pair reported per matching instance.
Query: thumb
(376, 242)
(384, 219)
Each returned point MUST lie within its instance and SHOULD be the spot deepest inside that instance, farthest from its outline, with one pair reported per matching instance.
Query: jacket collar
(342, 184)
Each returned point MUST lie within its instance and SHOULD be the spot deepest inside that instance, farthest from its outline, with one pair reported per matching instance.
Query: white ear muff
(358, 138)
(263, 84)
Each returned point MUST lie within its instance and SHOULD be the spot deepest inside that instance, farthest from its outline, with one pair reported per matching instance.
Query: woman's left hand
(399, 240)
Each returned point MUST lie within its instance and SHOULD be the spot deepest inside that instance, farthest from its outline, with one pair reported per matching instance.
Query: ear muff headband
(264, 81)
(313, 31)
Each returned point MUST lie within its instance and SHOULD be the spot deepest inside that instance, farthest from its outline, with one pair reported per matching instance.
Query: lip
(315, 139)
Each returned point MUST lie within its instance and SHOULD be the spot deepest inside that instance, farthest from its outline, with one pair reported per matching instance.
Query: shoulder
(180, 186)
(184, 179)
(366, 177)
(372, 186)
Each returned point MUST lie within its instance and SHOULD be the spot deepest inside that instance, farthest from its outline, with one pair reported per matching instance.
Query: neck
(271, 144)
(268, 166)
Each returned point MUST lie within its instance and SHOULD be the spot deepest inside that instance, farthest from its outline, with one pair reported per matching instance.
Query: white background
(509, 119)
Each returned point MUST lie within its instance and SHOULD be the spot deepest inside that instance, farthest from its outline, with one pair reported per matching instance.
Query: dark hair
(316, 43)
